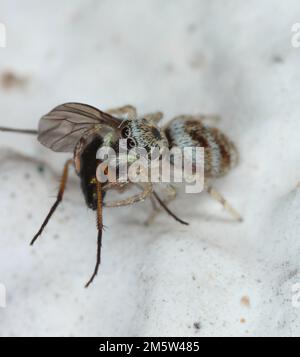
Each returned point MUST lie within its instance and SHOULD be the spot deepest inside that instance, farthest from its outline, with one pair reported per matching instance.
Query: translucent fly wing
(62, 127)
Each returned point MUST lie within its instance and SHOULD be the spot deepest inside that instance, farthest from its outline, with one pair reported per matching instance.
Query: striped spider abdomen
(220, 154)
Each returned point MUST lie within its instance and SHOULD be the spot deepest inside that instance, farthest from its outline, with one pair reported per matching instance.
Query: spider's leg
(147, 191)
(217, 196)
(155, 117)
(165, 207)
(125, 112)
(171, 195)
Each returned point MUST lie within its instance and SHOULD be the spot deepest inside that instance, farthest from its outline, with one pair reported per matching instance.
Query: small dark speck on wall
(197, 325)
(277, 59)
(41, 169)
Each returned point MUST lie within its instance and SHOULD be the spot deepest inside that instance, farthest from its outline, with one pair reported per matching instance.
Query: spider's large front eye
(130, 143)
(125, 132)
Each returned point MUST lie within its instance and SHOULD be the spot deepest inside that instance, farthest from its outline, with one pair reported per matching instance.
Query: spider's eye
(130, 143)
(125, 132)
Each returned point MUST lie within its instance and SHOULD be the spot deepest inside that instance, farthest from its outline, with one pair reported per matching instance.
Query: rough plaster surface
(214, 277)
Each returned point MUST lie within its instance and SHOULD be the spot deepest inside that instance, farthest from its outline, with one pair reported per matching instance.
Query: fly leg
(100, 230)
(58, 199)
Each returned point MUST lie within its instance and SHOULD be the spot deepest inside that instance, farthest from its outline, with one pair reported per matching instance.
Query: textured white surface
(215, 277)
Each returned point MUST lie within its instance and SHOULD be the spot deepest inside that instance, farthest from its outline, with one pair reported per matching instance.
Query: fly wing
(62, 127)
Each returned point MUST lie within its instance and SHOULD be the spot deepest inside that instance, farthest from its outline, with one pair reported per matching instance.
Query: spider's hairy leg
(171, 195)
(147, 191)
(100, 230)
(126, 112)
(217, 196)
(154, 117)
(165, 207)
(59, 198)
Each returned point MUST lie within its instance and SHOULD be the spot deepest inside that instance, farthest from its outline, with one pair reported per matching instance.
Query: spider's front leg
(218, 197)
(147, 191)
(154, 117)
(171, 195)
